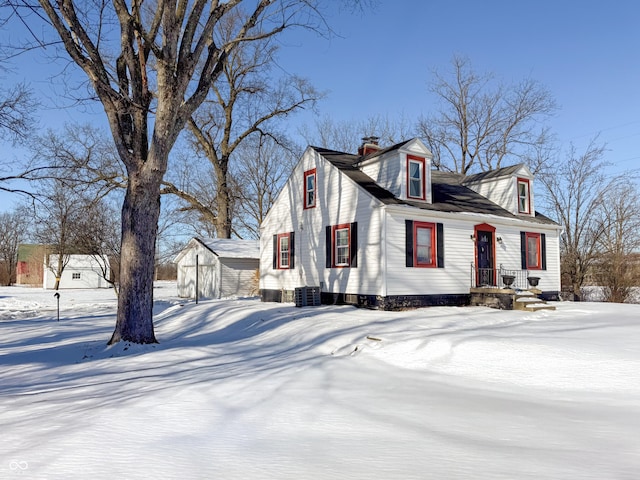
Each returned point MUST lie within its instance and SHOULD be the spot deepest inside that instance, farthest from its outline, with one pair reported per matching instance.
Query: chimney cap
(369, 145)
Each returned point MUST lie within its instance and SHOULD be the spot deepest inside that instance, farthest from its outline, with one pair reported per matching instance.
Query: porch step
(528, 301)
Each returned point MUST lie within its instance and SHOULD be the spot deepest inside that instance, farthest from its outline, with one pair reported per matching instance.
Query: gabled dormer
(403, 169)
(510, 187)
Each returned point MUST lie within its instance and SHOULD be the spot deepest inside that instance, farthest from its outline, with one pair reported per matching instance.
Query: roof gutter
(479, 217)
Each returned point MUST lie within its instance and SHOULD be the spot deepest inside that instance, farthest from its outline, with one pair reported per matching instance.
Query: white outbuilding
(218, 268)
(80, 271)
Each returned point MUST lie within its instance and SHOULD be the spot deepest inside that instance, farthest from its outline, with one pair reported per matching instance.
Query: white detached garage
(219, 267)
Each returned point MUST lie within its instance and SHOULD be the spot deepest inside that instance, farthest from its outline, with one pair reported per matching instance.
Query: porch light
(499, 239)
(472, 237)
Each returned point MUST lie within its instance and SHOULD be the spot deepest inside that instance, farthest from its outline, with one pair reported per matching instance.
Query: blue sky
(587, 53)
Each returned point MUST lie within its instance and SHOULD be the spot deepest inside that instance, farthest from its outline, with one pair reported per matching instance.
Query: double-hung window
(524, 196)
(342, 245)
(533, 249)
(424, 244)
(415, 178)
(283, 251)
(424, 239)
(310, 188)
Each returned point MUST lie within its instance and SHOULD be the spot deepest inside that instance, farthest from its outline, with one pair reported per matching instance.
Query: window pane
(424, 251)
(414, 188)
(532, 252)
(415, 179)
(523, 197)
(309, 189)
(414, 170)
(342, 246)
(284, 252)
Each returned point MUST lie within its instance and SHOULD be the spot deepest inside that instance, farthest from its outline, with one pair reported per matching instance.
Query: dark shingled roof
(497, 173)
(448, 193)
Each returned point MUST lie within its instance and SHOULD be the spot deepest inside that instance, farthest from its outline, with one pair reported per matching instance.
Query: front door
(484, 257)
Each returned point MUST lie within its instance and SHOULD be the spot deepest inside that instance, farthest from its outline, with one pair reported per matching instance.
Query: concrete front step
(506, 298)
(529, 302)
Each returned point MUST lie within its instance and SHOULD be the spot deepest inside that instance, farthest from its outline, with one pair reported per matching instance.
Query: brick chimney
(369, 145)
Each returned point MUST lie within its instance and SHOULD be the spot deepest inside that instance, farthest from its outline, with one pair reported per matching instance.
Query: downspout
(383, 212)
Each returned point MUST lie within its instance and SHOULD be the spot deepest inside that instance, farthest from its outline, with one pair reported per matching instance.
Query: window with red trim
(284, 251)
(424, 244)
(533, 252)
(415, 177)
(310, 188)
(342, 245)
(524, 196)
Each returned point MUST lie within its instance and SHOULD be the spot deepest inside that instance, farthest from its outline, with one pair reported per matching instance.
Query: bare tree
(58, 217)
(150, 78)
(17, 103)
(574, 193)
(481, 124)
(82, 154)
(263, 167)
(13, 232)
(17, 106)
(245, 102)
(98, 235)
(345, 136)
(617, 270)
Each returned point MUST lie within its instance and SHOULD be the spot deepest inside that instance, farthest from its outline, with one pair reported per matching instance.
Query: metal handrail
(494, 277)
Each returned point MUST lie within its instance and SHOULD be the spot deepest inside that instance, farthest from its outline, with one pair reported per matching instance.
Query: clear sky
(585, 52)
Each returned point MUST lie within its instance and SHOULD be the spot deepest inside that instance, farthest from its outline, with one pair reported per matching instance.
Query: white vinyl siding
(459, 255)
(387, 172)
(390, 170)
(338, 201)
(500, 191)
(504, 191)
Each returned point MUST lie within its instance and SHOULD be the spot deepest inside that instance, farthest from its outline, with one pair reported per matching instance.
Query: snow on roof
(232, 248)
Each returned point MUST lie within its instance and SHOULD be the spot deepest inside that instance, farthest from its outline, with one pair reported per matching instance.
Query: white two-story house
(382, 229)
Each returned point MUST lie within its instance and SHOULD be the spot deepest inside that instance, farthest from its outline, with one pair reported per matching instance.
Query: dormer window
(524, 196)
(310, 188)
(415, 178)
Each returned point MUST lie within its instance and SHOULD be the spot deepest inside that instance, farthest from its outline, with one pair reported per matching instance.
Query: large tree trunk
(223, 200)
(140, 213)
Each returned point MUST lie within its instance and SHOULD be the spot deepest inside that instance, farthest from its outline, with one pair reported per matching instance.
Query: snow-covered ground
(239, 389)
